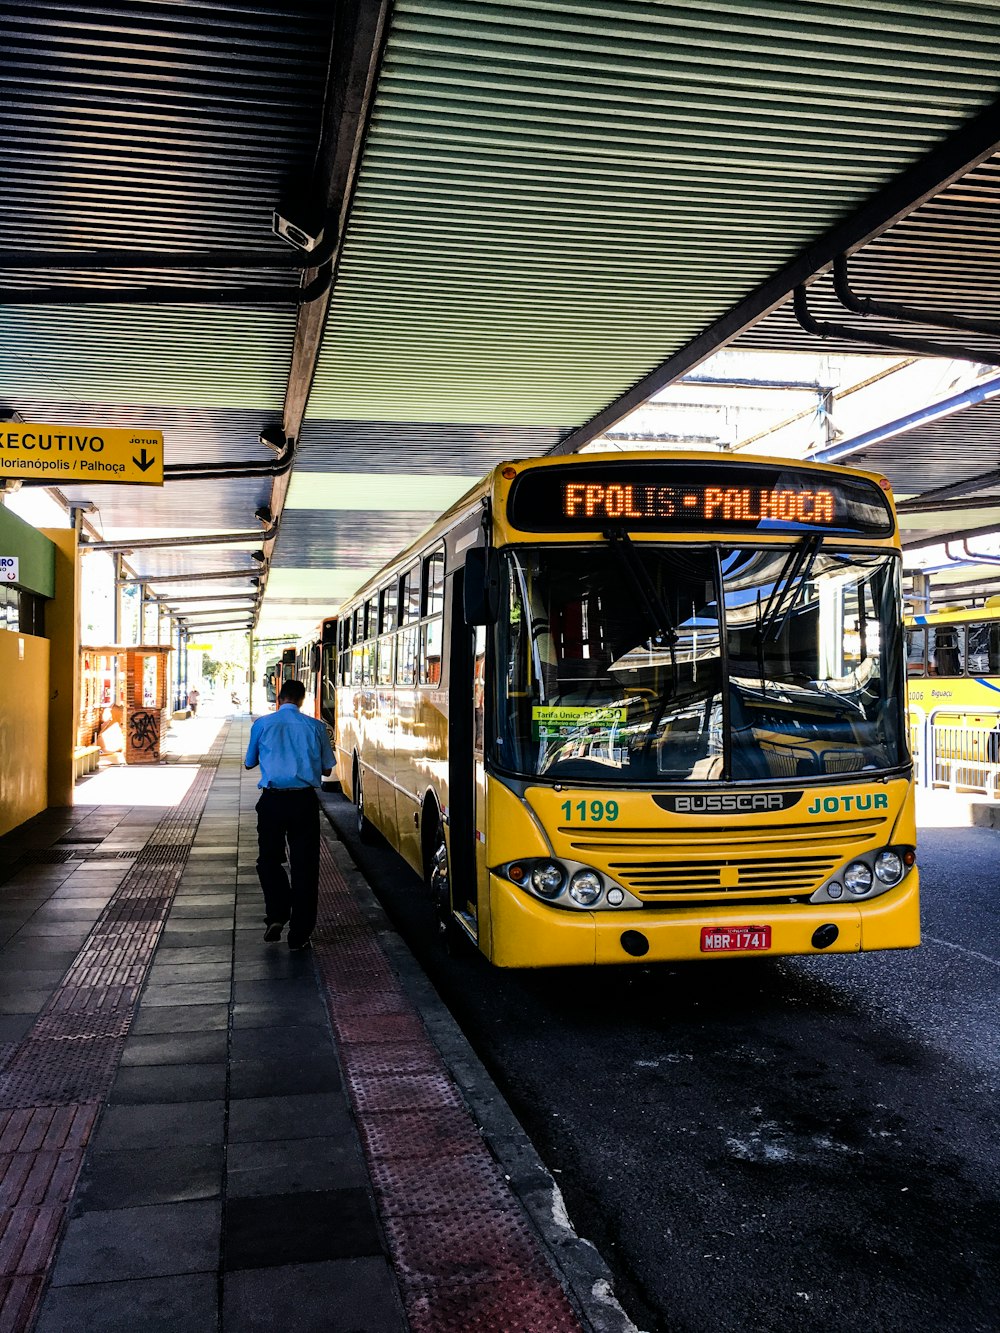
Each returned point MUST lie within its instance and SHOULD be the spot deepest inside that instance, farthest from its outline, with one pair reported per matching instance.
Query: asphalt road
(764, 1145)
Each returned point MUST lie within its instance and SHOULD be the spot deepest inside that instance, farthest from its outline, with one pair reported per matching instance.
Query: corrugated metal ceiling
(938, 453)
(145, 126)
(556, 197)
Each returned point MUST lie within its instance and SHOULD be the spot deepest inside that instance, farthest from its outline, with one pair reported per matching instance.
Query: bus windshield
(648, 663)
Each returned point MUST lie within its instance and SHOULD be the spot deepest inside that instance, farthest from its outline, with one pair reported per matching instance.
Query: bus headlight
(858, 878)
(586, 887)
(889, 867)
(547, 879)
(568, 885)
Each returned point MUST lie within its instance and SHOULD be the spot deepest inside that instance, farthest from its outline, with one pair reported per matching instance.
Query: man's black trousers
(290, 817)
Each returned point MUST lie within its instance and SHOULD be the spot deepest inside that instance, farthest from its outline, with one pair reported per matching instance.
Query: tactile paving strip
(56, 1079)
(464, 1253)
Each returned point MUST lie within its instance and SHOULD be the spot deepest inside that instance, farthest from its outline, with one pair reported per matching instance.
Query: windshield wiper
(789, 586)
(658, 617)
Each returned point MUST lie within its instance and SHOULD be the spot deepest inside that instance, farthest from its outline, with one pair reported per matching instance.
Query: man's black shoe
(299, 944)
(273, 933)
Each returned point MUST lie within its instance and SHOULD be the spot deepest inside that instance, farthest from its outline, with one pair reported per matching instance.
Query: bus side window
(915, 652)
(406, 660)
(409, 596)
(388, 601)
(982, 655)
(385, 646)
(432, 601)
(345, 651)
(479, 692)
(368, 662)
(944, 650)
(430, 652)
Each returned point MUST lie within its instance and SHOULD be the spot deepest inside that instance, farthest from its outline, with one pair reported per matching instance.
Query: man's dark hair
(292, 692)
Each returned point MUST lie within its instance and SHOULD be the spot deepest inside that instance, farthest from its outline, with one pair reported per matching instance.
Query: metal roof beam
(951, 506)
(253, 573)
(927, 499)
(355, 56)
(166, 599)
(152, 543)
(192, 260)
(945, 591)
(943, 538)
(220, 629)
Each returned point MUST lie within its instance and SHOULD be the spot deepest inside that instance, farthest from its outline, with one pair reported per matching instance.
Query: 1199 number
(591, 811)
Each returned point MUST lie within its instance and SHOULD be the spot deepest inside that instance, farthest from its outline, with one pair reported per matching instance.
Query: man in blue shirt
(293, 752)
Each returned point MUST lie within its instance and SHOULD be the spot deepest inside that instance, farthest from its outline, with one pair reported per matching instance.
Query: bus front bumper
(529, 933)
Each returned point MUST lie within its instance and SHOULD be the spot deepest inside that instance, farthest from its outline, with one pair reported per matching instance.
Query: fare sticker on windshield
(548, 721)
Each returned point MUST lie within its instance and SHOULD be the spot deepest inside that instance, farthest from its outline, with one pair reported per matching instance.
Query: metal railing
(951, 754)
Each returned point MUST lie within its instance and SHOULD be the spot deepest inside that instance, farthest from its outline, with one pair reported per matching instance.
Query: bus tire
(439, 885)
(366, 829)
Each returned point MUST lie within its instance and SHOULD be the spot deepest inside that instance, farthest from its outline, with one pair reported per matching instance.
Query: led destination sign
(718, 504)
(695, 497)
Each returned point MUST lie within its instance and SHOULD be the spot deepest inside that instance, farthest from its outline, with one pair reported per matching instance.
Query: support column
(119, 630)
(921, 594)
(62, 625)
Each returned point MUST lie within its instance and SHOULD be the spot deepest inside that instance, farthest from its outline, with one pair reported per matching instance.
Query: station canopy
(513, 223)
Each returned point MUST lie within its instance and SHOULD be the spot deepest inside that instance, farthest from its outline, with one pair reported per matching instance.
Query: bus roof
(958, 615)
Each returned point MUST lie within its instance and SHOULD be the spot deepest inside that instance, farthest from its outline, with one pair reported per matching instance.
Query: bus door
(463, 815)
(326, 687)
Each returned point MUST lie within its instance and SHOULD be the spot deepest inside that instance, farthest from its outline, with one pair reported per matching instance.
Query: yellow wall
(62, 628)
(24, 727)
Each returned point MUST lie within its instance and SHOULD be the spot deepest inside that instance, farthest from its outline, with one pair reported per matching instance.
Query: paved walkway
(199, 1131)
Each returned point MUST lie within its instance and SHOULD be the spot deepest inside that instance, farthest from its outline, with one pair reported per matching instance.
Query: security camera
(263, 514)
(297, 232)
(274, 437)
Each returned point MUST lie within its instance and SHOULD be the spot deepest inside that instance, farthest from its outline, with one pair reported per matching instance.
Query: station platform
(202, 1131)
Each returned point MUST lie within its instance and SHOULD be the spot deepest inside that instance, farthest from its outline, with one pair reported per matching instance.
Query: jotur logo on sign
(8, 569)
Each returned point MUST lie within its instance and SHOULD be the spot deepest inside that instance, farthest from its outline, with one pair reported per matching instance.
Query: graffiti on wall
(144, 731)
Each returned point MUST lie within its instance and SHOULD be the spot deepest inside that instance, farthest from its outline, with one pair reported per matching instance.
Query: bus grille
(700, 881)
(853, 834)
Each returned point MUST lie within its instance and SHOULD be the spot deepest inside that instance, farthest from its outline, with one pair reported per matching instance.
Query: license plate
(735, 939)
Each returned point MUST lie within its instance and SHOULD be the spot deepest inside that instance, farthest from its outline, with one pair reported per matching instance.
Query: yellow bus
(953, 660)
(643, 707)
(953, 684)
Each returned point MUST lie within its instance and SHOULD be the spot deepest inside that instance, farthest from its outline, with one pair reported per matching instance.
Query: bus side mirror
(482, 586)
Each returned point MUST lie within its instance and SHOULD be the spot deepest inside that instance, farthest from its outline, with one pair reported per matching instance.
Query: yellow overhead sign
(80, 453)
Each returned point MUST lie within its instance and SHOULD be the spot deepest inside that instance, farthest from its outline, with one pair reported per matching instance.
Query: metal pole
(250, 686)
(117, 638)
(921, 593)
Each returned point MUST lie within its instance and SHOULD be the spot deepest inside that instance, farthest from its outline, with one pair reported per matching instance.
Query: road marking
(985, 958)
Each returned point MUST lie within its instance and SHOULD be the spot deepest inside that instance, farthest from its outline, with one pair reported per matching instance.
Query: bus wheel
(366, 830)
(440, 876)
(439, 882)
